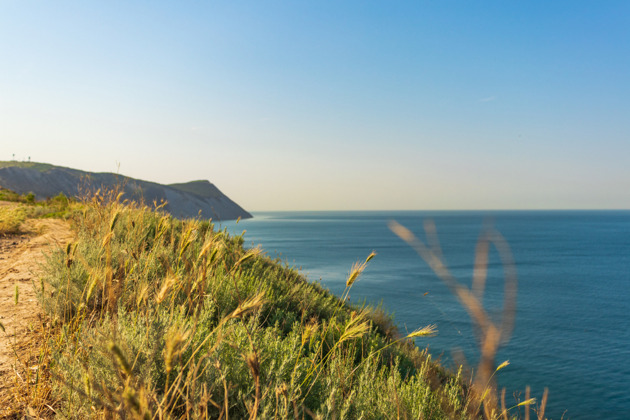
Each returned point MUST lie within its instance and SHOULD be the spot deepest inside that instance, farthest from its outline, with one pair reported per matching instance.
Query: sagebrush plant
(161, 318)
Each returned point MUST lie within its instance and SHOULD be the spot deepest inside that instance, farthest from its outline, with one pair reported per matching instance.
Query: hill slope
(187, 200)
(155, 317)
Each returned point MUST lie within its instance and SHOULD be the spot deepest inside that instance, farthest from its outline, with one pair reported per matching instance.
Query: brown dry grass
(12, 216)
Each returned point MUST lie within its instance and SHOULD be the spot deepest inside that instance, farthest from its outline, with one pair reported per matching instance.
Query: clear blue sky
(315, 105)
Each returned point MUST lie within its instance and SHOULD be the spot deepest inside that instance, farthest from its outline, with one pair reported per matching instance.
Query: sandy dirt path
(21, 258)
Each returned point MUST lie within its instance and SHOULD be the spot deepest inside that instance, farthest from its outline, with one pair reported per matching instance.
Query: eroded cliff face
(187, 200)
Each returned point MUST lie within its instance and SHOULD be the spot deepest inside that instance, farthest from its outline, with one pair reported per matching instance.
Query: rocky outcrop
(187, 200)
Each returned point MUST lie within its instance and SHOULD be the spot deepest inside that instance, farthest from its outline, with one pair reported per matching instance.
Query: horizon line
(440, 210)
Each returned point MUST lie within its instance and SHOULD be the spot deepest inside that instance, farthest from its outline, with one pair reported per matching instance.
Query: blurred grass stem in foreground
(490, 335)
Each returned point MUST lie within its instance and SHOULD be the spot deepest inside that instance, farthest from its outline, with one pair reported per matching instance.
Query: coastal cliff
(188, 200)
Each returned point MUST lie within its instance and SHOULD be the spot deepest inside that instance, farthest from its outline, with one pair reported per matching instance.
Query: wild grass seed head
(254, 252)
(529, 401)
(166, 287)
(308, 331)
(176, 343)
(355, 328)
(355, 272)
(249, 305)
(502, 365)
(427, 331)
(120, 357)
(357, 269)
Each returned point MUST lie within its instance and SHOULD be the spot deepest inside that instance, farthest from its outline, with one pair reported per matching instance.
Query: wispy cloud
(488, 99)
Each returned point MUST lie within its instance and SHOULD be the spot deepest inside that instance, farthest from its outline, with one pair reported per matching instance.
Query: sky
(329, 105)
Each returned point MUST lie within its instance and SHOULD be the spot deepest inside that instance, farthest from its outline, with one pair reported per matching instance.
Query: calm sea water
(572, 332)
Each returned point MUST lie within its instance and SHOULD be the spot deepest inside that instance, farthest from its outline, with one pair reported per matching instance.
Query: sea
(572, 322)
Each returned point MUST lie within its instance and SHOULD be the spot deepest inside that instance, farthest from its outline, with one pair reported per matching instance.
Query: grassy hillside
(42, 167)
(158, 318)
(186, 200)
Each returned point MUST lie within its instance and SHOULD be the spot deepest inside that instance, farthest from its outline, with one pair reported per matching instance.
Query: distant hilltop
(187, 200)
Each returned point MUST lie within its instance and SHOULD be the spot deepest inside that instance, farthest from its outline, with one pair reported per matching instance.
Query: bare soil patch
(21, 259)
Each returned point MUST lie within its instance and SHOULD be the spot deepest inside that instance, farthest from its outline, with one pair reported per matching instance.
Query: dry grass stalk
(504, 412)
(254, 366)
(543, 404)
(491, 334)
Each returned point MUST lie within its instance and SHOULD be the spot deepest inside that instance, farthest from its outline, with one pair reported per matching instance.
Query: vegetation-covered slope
(153, 317)
(157, 317)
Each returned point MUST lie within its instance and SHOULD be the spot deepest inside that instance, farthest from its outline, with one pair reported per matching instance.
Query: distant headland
(188, 200)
